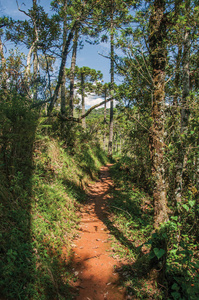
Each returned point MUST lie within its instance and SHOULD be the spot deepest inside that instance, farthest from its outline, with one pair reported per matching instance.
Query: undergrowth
(131, 221)
(43, 182)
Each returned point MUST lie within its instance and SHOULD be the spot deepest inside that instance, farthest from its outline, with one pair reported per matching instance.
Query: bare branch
(104, 55)
(95, 106)
(21, 10)
(64, 118)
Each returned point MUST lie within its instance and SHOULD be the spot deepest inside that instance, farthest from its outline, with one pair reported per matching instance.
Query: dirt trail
(93, 266)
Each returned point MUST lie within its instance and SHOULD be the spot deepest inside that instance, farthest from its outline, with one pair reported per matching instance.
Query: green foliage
(132, 222)
(18, 125)
(130, 205)
(86, 79)
(43, 181)
(24, 31)
(45, 166)
(182, 261)
(159, 252)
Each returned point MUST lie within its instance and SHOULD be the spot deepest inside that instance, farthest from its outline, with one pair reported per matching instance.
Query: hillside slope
(42, 183)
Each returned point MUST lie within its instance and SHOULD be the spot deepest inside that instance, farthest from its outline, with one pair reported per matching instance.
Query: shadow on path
(97, 273)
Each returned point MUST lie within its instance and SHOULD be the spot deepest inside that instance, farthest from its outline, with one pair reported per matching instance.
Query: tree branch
(40, 103)
(105, 56)
(62, 66)
(78, 120)
(23, 11)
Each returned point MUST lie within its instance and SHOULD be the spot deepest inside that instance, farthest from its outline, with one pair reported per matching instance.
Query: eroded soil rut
(93, 265)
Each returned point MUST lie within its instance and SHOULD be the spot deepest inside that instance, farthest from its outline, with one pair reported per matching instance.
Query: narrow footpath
(93, 265)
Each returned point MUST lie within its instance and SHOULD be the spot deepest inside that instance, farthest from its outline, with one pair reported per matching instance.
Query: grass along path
(94, 268)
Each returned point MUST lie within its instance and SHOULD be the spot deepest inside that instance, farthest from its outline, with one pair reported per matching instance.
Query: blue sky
(88, 56)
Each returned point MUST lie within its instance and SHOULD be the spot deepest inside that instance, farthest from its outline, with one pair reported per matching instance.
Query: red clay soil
(93, 265)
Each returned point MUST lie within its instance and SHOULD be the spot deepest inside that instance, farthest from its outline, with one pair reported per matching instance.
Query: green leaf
(173, 251)
(151, 255)
(175, 287)
(186, 207)
(159, 252)
(175, 218)
(192, 203)
(197, 264)
(175, 295)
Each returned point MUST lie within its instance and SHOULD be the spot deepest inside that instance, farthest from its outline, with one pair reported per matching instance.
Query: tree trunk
(185, 82)
(177, 78)
(72, 73)
(3, 67)
(28, 61)
(61, 69)
(158, 61)
(35, 74)
(63, 88)
(158, 55)
(83, 101)
(104, 139)
(48, 76)
(110, 144)
(184, 119)
(175, 122)
(35, 55)
(63, 95)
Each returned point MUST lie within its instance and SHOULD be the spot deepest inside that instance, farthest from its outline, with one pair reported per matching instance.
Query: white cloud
(91, 100)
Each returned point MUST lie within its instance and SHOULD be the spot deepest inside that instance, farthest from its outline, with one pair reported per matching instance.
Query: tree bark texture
(104, 138)
(184, 118)
(175, 120)
(158, 57)
(3, 67)
(28, 61)
(63, 88)
(35, 74)
(72, 73)
(83, 100)
(110, 144)
(35, 55)
(61, 69)
(177, 78)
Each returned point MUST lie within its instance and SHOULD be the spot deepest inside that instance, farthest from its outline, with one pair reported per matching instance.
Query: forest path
(93, 265)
